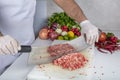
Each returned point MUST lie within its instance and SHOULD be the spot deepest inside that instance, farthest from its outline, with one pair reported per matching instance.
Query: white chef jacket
(16, 20)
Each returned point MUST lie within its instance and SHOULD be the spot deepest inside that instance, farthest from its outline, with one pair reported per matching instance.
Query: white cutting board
(52, 72)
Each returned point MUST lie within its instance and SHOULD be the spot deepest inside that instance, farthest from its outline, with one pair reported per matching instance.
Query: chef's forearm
(72, 9)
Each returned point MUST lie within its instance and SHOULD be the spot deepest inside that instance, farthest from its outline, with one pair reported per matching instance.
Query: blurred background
(105, 14)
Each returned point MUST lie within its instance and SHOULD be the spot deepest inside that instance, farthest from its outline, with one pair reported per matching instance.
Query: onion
(43, 34)
(53, 35)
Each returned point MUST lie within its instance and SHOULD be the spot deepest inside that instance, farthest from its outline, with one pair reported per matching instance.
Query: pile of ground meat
(58, 49)
(71, 61)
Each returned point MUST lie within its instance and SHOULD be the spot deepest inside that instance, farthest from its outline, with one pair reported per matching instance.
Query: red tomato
(102, 37)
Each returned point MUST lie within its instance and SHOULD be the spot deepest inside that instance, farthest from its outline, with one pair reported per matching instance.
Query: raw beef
(71, 61)
(55, 50)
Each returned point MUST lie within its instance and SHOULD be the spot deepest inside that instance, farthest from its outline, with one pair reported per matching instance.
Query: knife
(39, 55)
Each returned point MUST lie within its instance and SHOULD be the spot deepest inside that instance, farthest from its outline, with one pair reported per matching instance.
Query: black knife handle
(25, 48)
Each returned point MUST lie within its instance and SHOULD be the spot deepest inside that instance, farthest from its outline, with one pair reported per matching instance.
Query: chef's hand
(90, 31)
(8, 45)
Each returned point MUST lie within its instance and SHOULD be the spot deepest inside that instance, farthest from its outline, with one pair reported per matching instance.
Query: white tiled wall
(103, 13)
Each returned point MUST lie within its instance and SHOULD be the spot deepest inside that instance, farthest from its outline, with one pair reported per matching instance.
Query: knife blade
(79, 43)
(37, 55)
(40, 55)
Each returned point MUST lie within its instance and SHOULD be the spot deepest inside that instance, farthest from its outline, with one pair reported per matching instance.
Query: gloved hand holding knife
(9, 45)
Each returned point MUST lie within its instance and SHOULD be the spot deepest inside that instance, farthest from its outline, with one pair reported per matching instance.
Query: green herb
(119, 41)
(109, 34)
(62, 19)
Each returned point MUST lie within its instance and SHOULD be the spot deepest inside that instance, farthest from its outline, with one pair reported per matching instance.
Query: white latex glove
(8, 45)
(90, 31)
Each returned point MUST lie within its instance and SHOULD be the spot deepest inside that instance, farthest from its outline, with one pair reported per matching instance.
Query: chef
(16, 26)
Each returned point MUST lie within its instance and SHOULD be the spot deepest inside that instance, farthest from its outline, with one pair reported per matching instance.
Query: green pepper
(109, 34)
(66, 37)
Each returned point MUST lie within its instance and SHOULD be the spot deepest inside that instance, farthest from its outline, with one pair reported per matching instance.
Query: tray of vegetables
(60, 27)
